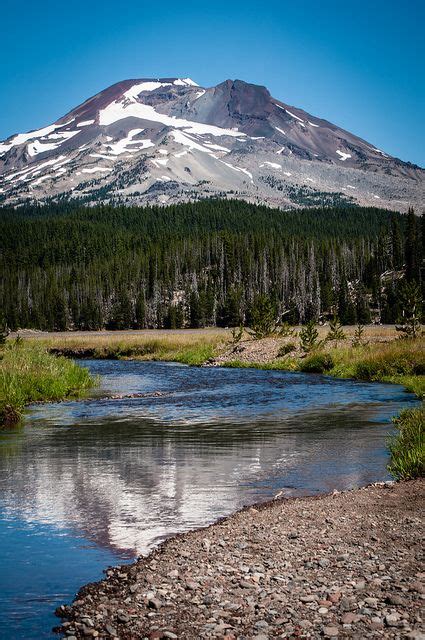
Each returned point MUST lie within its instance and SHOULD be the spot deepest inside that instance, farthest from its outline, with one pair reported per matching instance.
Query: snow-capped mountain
(168, 140)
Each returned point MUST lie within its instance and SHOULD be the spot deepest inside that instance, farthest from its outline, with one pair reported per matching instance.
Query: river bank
(377, 356)
(28, 373)
(346, 565)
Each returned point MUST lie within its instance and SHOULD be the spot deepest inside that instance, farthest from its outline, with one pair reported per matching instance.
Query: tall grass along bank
(186, 347)
(28, 373)
(407, 447)
(400, 361)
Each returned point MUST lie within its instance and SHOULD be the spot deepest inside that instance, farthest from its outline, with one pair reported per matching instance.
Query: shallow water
(92, 483)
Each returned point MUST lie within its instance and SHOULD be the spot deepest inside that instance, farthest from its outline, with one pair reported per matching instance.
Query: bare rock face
(167, 140)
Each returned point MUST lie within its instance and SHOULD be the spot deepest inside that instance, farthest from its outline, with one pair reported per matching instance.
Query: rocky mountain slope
(169, 140)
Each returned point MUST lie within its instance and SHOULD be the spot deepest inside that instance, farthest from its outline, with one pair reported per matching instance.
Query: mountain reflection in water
(118, 476)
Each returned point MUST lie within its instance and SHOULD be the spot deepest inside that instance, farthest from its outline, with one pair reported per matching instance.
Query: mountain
(169, 140)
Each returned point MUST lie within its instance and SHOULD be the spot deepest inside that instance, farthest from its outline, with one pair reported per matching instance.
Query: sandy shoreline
(346, 565)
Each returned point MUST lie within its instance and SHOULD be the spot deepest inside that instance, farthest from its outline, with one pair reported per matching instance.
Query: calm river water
(84, 485)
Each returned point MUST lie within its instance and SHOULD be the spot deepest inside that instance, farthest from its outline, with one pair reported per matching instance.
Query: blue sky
(360, 64)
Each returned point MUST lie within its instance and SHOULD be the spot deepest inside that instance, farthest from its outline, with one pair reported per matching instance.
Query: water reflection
(87, 484)
(127, 473)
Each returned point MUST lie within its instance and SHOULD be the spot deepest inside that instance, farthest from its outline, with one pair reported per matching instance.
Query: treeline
(199, 264)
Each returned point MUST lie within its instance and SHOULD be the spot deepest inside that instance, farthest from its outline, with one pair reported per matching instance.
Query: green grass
(28, 373)
(407, 448)
(399, 362)
(317, 363)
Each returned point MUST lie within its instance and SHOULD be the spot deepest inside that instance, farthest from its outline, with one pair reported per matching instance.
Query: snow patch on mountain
(118, 110)
(344, 156)
(217, 147)
(186, 82)
(95, 169)
(122, 145)
(21, 138)
(292, 115)
(183, 139)
(273, 165)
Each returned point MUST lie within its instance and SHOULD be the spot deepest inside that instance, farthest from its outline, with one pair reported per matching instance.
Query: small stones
(392, 620)
(309, 598)
(347, 604)
(417, 586)
(154, 603)
(206, 544)
(334, 597)
(123, 617)
(360, 586)
(394, 599)
(299, 569)
(349, 618)
(173, 574)
(246, 585)
(191, 585)
(343, 557)
(111, 630)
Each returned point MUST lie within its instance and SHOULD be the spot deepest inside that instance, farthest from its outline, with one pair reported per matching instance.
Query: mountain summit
(167, 140)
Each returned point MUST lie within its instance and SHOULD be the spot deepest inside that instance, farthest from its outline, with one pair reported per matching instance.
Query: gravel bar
(345, 565)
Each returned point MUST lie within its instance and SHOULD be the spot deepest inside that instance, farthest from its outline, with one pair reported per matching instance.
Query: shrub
(380, 366)
(237, 334)
(317, 363)
(285, 330)
(285, 349)
(408, 446)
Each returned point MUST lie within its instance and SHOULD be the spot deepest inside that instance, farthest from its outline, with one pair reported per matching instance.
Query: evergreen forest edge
(207, 263)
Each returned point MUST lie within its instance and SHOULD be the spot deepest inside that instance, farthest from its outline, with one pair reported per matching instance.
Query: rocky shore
(346, 565)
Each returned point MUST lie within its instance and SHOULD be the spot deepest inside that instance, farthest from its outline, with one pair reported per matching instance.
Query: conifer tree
(336, 331)
(309, 337)
(411, 301)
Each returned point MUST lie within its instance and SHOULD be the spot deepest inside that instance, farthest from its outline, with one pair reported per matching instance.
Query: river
(93, 483)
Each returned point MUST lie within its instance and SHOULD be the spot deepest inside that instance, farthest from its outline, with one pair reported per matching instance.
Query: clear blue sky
(358, 63)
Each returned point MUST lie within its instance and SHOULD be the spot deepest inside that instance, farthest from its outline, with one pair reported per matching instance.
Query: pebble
(330, 632)
(392, 620)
